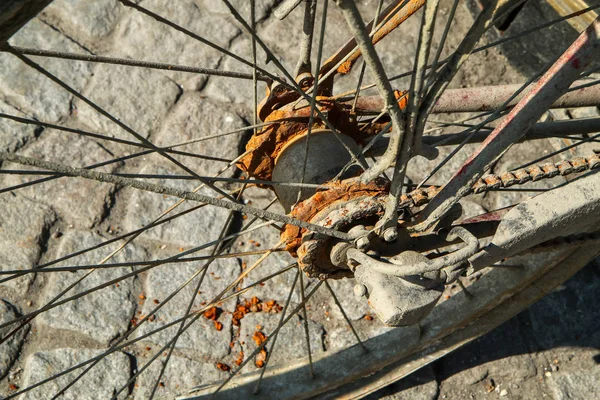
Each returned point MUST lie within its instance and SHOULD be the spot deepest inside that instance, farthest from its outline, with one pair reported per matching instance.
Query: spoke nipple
(390, 234)
(360, 290)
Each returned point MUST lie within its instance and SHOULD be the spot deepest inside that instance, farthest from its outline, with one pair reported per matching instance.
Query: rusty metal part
(392, 17)
(535, 173)
(489, 98)
(348, 203)
(342, 206)
(291, 121)
(325, 155)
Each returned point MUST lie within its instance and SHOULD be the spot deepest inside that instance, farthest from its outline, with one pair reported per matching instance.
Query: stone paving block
(193, 229)
(80, 202)
(32, 92)
(24, 225)
(86, 22)
(9, 350)
(14, 134)
(206, 338)
(181, 374)
(101, 315)
(291, 341)
(195, 116)
(142, 38)
(99, 383)
(140, 98)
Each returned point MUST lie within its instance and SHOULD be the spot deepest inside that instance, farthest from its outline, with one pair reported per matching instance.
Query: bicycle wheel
(138, 261)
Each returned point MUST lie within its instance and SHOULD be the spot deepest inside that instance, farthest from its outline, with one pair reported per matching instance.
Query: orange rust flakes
(259, 338)
(240, 359)
(287, 123)
(223, 367)
(261, 359)
(254, 305)
(213, 314)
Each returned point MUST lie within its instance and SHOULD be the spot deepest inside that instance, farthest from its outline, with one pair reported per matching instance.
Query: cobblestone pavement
(548, 351)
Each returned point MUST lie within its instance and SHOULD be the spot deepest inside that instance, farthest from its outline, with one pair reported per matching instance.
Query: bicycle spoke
(473, 130)
(271, 57)
(440, 48)
(105, 138)
(183, 194)
(148, 266)
(369, 54)
(364, 65)
(266, 341)
(313, 98)
(122, 345)
(216, 250)
(305, 323)
(136, 63)
(341, 308)
(101, 111)
(283, 313)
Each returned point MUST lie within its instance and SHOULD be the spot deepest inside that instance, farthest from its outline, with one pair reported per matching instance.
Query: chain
(489, 182)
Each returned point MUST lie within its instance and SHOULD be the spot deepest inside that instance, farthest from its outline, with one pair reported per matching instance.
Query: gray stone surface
(99, 383)
(143, 38)
(265, 238)
(127, 93)
(578, 383)
(86, 22)
(202, 340)
(23, 225)
(193, 229)
(291, 340)
(33, 93)
(103, 314)
(9, 350)
(181, 374)
(79, 202)
(195, 116)
(14, 134)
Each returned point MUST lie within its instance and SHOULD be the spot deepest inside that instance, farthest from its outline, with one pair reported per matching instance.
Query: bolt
(390, 234)
(360, 290)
